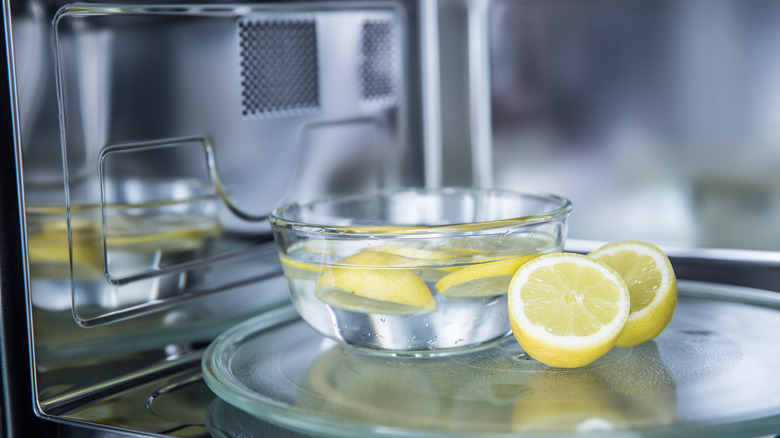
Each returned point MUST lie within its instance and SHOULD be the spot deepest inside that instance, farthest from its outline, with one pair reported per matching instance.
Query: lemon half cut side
(567, 310)
(651, 283)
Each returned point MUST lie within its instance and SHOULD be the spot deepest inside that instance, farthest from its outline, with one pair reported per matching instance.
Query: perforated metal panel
(279, 66)
(379, 66)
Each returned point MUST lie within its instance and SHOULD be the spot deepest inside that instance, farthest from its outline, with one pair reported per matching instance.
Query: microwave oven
(144, 144)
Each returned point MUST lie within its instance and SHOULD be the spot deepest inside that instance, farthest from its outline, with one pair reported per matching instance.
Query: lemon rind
(667, 295)
(667, 281)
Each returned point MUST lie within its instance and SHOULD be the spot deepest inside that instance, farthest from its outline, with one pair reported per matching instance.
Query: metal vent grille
(279, 67)
(379, 68)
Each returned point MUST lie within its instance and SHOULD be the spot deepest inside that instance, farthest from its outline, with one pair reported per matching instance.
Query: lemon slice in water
(496, 244)
(567, 310)
(651, 283)
(369, 282)
(491, 277)
(425, 263)
(300, 270)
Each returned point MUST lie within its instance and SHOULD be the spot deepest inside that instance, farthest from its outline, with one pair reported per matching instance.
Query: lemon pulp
(569, 299)
(567, 310)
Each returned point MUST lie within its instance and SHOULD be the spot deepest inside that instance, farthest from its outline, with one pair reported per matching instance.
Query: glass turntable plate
(714, 372)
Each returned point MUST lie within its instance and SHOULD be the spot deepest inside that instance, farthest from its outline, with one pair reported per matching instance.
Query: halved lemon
(566, 310)
(483, 279)
(355, 284)
(651, 283)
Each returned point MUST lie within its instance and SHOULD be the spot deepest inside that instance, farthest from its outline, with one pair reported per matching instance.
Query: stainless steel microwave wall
(152, 141)
(144, 143)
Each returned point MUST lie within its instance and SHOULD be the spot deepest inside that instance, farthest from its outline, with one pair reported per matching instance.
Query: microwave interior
(152, 140)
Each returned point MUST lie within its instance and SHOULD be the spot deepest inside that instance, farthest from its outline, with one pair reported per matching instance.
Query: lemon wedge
(567, 310)
(355, 284)
(425, 263)
(483, 279)
(300, 270)
(651, 283)
(317, 246)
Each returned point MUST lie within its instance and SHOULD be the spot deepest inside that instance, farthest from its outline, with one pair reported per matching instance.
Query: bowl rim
(278, 221)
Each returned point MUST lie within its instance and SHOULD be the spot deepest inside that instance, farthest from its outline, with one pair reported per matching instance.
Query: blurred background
(659, 119)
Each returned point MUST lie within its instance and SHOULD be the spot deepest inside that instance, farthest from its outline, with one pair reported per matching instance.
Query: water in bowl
(405, 297)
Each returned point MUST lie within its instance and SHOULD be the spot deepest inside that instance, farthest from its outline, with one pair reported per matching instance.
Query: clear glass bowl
(413, 270)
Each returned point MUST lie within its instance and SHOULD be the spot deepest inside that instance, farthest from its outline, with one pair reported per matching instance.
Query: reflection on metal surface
(183, 400)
